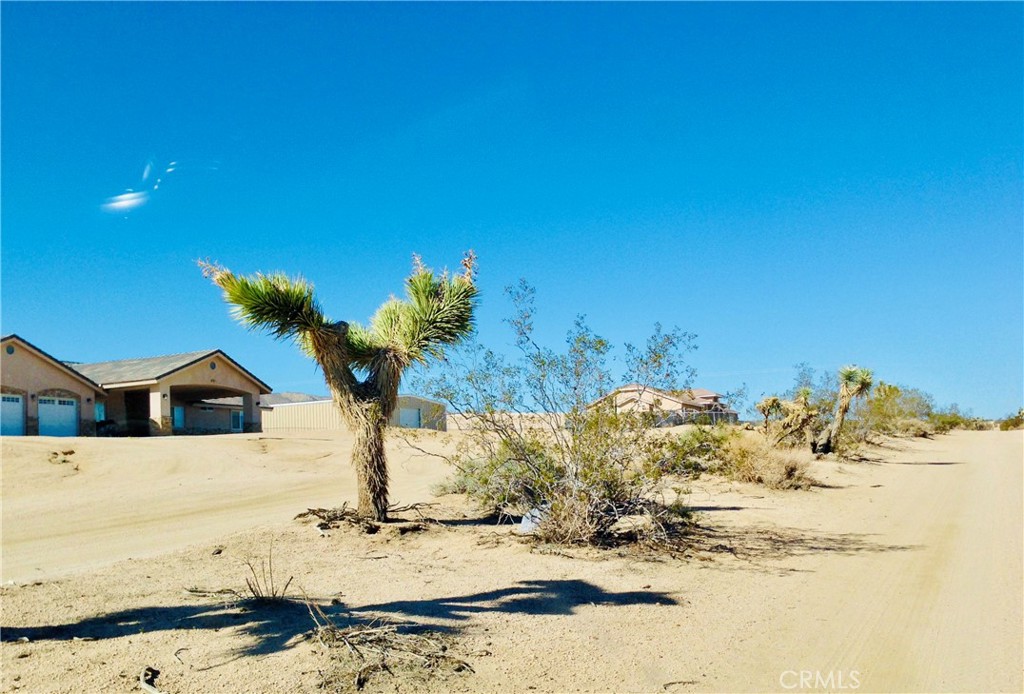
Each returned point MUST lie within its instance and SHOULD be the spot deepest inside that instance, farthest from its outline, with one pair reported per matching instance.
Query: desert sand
(903, 572)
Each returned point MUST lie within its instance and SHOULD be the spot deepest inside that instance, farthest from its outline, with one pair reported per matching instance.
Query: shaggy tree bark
(371, 466)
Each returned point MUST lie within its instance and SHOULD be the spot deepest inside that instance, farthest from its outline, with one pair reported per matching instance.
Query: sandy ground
(903, 574)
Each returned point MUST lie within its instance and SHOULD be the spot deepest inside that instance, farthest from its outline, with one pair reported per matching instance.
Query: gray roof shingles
(147, 369)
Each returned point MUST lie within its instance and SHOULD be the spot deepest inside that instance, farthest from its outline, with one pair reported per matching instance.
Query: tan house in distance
(177, 393)
(42, 395)
(675, 407)
(164, 395)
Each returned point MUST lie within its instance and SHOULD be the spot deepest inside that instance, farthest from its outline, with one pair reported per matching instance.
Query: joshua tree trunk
(854, 382)
(371, 464)
(826, 442)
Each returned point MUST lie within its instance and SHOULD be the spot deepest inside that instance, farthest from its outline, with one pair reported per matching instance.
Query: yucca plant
(362, 366)
(798, 416)
(767, 407)
(854, 382)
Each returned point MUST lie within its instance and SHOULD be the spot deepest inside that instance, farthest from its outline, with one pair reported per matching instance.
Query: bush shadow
(756, 545)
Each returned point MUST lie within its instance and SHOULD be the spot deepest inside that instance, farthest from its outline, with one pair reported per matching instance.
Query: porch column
(251, 413)
(160, 423)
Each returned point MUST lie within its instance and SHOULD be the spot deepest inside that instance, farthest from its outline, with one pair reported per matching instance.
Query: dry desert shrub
(750, 458)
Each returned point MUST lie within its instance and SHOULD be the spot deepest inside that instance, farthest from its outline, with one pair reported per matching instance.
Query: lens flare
(125, 201)
(131, 199)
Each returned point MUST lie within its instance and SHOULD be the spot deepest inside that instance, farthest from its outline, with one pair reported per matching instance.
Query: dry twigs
(332, 517)
(380, 646)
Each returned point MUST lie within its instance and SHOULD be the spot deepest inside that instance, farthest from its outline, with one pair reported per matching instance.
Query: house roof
(698, 397)
(663, 394)
(702, 393)
(53, 360)
(111, 373)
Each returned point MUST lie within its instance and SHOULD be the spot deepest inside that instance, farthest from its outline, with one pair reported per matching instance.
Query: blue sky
(821, 183)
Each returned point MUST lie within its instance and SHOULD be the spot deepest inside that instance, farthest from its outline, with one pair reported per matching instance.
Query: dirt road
(929, 601)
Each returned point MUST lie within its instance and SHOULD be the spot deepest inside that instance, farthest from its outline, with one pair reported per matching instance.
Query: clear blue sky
(822, 183)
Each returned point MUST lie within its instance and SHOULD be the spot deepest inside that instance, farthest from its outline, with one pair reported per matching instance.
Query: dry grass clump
(751, 458)
(261, 585)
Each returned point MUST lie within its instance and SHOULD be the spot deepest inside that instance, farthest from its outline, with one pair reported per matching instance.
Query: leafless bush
(361, 651)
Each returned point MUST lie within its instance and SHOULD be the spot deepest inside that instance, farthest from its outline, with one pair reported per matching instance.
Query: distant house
(173, 393)
(177, 393)
(412, 412)
(671, 407)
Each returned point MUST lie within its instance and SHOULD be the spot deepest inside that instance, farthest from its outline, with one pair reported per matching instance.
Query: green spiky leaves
(438, 311)
(855, 381)
(283, 306)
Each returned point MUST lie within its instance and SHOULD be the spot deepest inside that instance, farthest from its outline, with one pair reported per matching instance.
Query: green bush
(947, 421)
(698, 449)
(537, 436)
(1013, 422)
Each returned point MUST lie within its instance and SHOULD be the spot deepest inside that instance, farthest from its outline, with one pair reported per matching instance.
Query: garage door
(58, 417)
(12, 416)
(409, 417)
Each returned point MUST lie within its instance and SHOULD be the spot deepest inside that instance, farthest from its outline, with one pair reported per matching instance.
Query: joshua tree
(438, 311)
(767, 407)
(797, 416)
(854, 382)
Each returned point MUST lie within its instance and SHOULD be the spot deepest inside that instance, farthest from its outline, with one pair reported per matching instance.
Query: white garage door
(409, 417)
(12, 416)
(58, 417)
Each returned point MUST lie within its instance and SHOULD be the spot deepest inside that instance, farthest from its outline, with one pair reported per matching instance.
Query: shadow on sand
(275, 625)
(763, 544)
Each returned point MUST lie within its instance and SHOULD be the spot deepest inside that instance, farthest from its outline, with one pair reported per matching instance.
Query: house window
(101, 411)
(236, 420)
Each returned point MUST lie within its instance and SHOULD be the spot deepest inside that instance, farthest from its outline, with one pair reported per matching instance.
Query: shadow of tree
(271, 625)
(541, 597)
(275, 625)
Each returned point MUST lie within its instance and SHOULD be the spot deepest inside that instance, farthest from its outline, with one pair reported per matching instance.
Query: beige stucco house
(412, 412)
(164, 395)
(674, 407)
(177, 393)
(42, 395)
